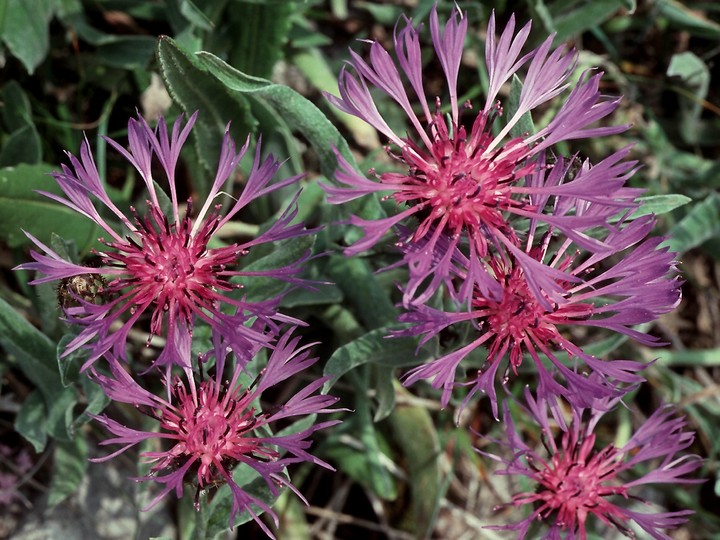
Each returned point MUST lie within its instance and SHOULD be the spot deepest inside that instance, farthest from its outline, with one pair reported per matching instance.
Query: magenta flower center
(170, 267)
(512, 320)
(518, 320)
(575, 483)
(456, 186)
(516, 313)
(213, 430)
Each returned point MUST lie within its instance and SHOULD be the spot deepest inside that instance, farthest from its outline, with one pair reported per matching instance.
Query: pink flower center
(575, 483)
(212, 429)
(518, 319)
(517, 311)
(169, 267)
(456, 186)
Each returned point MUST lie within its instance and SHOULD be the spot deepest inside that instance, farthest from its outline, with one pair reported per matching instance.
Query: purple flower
(466, 187)
(548, 286)
(162, 265)
(213, 425)
(576, 478)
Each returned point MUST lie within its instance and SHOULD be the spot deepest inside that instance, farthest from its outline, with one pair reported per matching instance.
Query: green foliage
(23, 142)
(218, 511)
(414, 423)
(71, 68)
(25, 209)
(361, 289)
(193, 89)
(525, 123)
(372, 348)
(24, 29)
(571, 17)
(700, 224)
(695, 75)
(263, 31)
(660, 204)
(69, 467)
(301, 114)
(258, 288)
(31, 421)
(33, 352)
(361, 451)
(682, 16)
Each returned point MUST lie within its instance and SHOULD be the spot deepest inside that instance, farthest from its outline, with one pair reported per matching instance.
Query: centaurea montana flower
(214, 425)
(465, 187)
(162, 264)
(632, 283)
(576, 478)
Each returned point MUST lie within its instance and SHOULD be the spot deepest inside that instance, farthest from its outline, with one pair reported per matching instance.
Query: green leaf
(304, 36)
(310, 200)
(22, 146)
(69, 366)
(31, 421)
(263, 31)
(70, 461)
(383, 13)
(22, 208)
(24, 29)
(322, 293)
(314, 65)
(46, 306)
(362, 290)
(584, 15)
(66, 8)
(701, 224)
(67, 249)
(660, 204)
(297, 426)
(525, 124)
(374, 347)
(541, 12)
(126, 52)
(33, 351)
(285, 253)
(195, 15)
(656, 204)
(218, 511)
(692, 70)
(96, 400)
(681, 16)
(691, 358)
(361, 452)
(601, 348)
(300, 113)
(60, 415)
(194, 89)
(277, 138)
(695, 77)
(384, 384)
(415, 435)
(16, 111)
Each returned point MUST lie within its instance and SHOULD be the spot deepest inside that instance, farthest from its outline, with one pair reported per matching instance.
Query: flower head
(214, 425)
(164, 265)
(545, 287)
(576, 478)
(465, 186)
